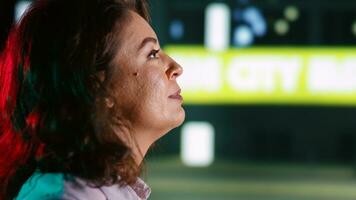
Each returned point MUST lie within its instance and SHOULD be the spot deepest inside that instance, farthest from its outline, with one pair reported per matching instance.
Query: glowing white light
(217, 26)
(281, 27)
(322, 70)
(243, 36)
(327, 74)
(20, 9)
(197, 144)
(291, 13)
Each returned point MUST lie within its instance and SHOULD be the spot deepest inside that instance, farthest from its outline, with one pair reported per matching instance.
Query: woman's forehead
(137, 30)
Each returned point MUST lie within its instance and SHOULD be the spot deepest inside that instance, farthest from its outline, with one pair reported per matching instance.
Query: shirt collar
(141, 188)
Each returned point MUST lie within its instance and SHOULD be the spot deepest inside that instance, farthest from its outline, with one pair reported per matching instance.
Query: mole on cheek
(135, 74)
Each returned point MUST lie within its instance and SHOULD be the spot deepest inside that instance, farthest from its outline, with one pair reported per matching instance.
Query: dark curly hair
(54, 77)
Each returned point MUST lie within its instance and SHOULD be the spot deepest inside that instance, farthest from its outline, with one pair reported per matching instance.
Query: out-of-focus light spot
(281, 27)
(254, 17)
(197, 144)
(176, 29)
(243, 36)
(251, 14)
(260, 29)
(353, 28)
(291, 13)
(217, 26)
(20, 9)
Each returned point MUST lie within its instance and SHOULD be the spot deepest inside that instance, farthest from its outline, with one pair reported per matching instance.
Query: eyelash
(153, 53)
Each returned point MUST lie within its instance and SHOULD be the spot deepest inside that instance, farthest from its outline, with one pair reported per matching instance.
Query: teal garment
(47, 186)
(57, 186)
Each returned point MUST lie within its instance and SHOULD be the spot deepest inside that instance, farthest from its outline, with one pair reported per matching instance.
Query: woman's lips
(176, 95)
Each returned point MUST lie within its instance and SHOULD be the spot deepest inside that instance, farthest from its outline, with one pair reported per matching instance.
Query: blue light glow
(254, 17)
(176, 29)
(243, 36)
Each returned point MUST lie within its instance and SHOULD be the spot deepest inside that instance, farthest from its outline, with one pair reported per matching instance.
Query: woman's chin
(176, 119)
(180, 118)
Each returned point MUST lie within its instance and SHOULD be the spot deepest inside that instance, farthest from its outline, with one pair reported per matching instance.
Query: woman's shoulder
(57, 186)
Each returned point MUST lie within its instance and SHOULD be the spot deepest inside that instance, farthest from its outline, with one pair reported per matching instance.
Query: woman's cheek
(155, 89)
(152, 78)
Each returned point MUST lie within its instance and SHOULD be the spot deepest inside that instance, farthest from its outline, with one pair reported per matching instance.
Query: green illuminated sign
(323, 76)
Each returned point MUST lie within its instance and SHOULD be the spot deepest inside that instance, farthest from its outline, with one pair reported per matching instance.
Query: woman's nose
(174, 70)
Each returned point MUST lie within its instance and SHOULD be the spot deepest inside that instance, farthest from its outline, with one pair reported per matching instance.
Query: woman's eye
(153, 54)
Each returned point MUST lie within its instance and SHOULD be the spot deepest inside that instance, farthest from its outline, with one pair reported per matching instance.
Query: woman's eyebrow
(147, 40)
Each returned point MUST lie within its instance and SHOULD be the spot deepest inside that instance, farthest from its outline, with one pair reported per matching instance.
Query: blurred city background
(270, 96)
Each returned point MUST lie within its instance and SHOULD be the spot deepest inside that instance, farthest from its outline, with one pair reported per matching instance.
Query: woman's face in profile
(145, 80)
